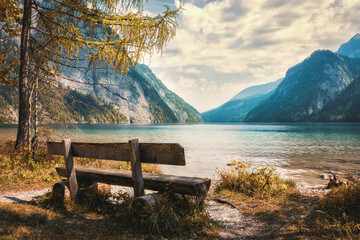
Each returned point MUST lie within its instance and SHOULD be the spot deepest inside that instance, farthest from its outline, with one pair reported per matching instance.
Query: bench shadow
(18, 200)
(15, 199)
(63, 226)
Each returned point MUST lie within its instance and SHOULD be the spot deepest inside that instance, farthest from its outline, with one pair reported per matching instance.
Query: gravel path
(234, 224)
(22, 196)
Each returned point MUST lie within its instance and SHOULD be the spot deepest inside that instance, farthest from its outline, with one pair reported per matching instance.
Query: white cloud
(256, 39)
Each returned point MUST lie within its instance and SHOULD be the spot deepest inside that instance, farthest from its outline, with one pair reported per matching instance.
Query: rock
(324, 176)
(335, 181)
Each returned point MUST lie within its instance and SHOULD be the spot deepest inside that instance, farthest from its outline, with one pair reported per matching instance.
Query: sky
(224, 46)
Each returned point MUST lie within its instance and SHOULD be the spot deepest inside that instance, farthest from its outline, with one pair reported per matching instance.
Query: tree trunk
(35, 140)
(23, 135)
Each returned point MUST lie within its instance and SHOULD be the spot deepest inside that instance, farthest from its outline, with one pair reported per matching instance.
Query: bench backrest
(134, 152)
(156, 153)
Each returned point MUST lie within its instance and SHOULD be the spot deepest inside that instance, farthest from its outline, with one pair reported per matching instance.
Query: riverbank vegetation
(277, 207)
(282, 212)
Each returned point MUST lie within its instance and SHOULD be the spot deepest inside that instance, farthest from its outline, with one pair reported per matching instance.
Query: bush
(243, 178)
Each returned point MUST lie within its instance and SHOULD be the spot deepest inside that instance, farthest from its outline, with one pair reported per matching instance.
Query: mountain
(351, 48)
(236, 108)
(324, 87)
(71, 107)
(138, 97)
(307, 88)
(257, 90)
(345, 107)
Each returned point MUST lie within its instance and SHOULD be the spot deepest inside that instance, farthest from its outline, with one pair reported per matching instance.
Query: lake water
(298, 151)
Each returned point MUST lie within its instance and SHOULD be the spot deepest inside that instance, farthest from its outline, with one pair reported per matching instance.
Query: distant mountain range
(237, 108)
(324, 87)
(351, 48)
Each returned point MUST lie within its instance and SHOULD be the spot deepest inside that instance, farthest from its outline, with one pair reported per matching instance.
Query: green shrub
(260, 182)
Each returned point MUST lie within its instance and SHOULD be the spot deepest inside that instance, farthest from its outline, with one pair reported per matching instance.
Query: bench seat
(157, 182)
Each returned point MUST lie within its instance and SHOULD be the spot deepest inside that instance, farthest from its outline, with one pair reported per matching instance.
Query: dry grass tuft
(260, 182)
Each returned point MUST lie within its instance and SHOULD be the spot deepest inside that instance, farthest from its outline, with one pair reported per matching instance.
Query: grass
(282, 212)
(19, 171)
(338, 213)
(260, 182)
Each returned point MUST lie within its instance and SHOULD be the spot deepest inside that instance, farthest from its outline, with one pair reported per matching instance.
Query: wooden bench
(155, 153)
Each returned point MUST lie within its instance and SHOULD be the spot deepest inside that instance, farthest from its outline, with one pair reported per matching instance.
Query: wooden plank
(70, 170)
(158, 182)
(157, 153)
(136, 171)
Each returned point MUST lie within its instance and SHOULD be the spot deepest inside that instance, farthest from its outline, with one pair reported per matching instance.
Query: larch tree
(10, 20)
(111, 34)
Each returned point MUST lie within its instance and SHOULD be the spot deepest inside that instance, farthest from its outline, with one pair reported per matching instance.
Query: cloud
(192, 70)
(187, 82)
(237, 43)
(246, 42)
(234, 11)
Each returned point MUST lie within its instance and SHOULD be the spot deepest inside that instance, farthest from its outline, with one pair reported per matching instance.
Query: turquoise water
(299, 151)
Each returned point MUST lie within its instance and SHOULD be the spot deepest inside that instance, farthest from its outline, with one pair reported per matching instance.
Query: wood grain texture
(70, 170)
(136, 171)
(157, 153)
(158, 182)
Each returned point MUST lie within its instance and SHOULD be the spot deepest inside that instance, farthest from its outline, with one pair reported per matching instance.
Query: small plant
(243, 177)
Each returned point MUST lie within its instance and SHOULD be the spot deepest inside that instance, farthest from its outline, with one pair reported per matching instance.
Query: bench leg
(102, 188)
(137, 177)
(149, 201)
(61, 191)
